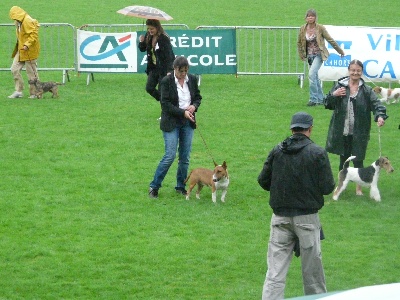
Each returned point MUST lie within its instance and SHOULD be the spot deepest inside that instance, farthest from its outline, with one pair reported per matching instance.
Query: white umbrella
(144, 12)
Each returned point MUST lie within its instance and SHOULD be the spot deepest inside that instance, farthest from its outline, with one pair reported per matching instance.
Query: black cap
(302, 120)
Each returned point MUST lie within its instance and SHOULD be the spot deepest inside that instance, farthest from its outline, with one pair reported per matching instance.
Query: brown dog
(218, 179)
(43, 87)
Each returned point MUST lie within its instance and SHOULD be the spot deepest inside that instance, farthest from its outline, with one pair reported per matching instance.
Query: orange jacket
(27, 34)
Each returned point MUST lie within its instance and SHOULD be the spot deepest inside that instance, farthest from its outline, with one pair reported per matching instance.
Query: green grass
(76, 222)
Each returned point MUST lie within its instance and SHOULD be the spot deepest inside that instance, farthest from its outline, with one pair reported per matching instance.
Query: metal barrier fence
(112, 28)
(267, 50)
(57, 43)
(261, 50)
(118, 28)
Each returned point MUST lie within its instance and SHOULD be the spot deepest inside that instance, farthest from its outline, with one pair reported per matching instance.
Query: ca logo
(117, 47)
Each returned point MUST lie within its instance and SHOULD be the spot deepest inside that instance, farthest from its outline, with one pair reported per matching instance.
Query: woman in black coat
(160, 55)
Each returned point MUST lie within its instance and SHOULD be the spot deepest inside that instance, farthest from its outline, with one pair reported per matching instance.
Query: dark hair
(180, 62)
(356, 62)
(156, 24)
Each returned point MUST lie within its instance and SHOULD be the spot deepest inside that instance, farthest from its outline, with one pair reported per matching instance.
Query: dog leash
(379, 141)
(379, 128)
(367, 79)
(205, 144)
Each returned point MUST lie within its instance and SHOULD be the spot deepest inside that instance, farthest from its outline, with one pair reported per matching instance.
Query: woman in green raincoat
(352, 102)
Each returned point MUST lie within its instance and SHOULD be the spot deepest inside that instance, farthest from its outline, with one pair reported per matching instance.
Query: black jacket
(366, 104)
(297, 172)
(171, 114)
(164, 54)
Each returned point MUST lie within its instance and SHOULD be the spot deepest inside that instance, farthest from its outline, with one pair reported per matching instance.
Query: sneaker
(181, 191)
(153, 193)
(311, 103)
(15, 95)
(32, 97)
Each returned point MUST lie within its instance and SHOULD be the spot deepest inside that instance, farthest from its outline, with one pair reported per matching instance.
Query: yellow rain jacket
(27, 34)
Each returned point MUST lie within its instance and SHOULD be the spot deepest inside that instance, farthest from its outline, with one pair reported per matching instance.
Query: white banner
(106, 52)
(377, 48)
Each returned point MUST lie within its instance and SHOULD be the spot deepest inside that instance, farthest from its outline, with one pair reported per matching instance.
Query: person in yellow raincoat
(26, 50)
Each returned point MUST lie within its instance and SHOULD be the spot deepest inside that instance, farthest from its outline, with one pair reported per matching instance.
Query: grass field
(76, 221)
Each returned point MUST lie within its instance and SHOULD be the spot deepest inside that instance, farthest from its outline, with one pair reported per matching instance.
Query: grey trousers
(280, 252)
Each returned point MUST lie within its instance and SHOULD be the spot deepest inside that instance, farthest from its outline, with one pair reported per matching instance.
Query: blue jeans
(181, 136)
(316, 93)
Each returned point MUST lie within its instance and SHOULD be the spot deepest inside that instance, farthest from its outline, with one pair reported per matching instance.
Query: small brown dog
(218, 179)
(43, 87)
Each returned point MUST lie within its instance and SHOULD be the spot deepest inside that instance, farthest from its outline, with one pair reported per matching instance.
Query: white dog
(388, 94)
(363, 176)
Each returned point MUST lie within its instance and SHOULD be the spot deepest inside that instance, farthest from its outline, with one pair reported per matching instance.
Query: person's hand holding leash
(189, 115)
(380, 122)
(191, 108)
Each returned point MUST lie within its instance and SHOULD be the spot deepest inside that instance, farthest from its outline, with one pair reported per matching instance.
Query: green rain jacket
(366, 103)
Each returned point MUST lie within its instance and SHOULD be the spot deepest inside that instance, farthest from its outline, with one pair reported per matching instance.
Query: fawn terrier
(363, 176)
(218, 179)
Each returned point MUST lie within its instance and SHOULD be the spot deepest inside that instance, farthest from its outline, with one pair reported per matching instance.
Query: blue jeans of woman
(181, 138)
(316, 93)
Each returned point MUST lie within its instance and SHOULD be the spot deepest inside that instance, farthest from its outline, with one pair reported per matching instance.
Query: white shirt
(183, 93)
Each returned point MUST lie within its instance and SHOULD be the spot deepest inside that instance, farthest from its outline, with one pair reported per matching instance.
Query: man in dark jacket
(297, 172)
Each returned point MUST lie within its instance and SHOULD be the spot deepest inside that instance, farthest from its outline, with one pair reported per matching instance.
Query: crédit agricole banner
(208, 51)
